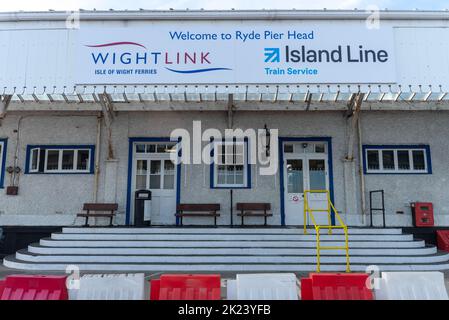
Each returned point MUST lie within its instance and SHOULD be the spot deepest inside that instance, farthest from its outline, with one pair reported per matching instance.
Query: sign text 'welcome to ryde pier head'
(236, 52)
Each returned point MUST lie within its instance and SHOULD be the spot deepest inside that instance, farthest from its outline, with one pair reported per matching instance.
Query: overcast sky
(14, 5)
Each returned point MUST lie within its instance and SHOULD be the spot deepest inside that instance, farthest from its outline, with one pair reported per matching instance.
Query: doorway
(152, 169)
(305, 167)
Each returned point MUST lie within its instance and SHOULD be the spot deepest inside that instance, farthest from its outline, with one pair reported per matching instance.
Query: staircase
(224, 250)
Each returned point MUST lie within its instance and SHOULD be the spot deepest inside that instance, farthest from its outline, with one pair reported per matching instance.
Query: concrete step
(227, 237)
(247, 259)
(224, 250)
(256, 250)
(234, 244)
(13, 262)
(220, 230)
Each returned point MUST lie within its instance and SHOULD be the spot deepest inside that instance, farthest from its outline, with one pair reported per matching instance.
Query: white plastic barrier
(282, 286)
(412, 286)
(111, 287)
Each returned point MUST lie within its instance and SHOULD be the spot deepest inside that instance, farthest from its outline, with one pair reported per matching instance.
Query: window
(397, 159)
(230, 165)
(155, 147)
(60, 159)
(2, 161)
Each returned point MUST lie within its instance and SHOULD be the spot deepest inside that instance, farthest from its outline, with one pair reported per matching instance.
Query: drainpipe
(362, 176)
(97, 158)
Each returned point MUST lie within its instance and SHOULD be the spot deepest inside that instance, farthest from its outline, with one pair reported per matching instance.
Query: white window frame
(30, 169)
(218, 144)
(156, 145)
(396, 163)
(60, 170)
(2, 151)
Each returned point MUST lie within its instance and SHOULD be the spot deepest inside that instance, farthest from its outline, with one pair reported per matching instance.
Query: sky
(44, 5)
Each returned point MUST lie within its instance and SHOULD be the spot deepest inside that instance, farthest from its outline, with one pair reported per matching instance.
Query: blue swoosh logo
(197, 70)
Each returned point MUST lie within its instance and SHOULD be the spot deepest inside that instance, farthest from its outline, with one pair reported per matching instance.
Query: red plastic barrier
(2, 286)
(443, 240)
(186, 287)
(34, 287)
(335, 286)
(154, 289)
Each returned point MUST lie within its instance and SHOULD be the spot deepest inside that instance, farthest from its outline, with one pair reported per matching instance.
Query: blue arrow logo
(272, 55)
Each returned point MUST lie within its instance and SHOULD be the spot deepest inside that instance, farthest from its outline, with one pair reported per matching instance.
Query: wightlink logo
(128, 53)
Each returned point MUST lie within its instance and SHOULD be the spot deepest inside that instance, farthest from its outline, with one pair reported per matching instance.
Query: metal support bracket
(354, 107)
(5, 101)
(108, 113)
(231, 111)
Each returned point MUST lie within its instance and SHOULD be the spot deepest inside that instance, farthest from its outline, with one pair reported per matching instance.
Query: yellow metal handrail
(330, 208)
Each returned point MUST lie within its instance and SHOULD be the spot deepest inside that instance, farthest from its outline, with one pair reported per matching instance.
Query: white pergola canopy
(241, 93)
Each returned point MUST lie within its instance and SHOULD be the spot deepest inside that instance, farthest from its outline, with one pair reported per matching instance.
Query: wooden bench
(108, 211)
(254, 210)
(198, 210)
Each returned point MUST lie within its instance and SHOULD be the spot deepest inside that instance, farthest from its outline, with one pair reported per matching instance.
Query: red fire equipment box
(422, 214)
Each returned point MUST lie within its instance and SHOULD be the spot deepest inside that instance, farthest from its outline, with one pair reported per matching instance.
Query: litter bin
(140, 219)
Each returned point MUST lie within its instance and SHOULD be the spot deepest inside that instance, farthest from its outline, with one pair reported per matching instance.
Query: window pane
(221, 179)
(288, 148)
(169, 174)
(169, 181)
(82, 160)
(140, 148)
(418, 160)
(317, 174)
(239, 159)
(68, 158)
(239, 148)
(34, 158)
(169, 167)
(295, 176)
(319, 148)
(230, 178)
(52, 159)
(155, 174)
(141, 182)
(388, 159)
(141, 167)
(403, 160)
(161, 148)
(229, 158)
(239, 175)
(151, 148)
(373, 160)
(155, 182)
(155, 167)
(171, 148)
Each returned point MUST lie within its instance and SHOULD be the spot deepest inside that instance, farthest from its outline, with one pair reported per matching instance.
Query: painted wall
(54, 199)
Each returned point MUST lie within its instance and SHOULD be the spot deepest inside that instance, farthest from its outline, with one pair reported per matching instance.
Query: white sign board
(281, 52)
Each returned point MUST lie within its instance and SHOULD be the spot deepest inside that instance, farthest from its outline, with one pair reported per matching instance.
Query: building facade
(70, 136)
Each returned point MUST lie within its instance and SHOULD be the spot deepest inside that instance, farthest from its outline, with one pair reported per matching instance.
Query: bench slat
(100, 206)
(193, 214)
(198, 207)
(254, 214)
(253, 206)
(95, 214)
